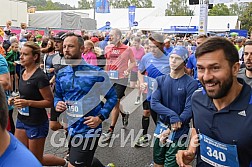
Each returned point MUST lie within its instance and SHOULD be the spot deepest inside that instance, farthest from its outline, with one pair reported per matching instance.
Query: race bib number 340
(218, 154)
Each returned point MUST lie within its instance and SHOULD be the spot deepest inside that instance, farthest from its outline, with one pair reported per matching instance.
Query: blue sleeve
(3, 65)
(110, 96)
(190, 63)
(186, 115)
(141, 66)
(158, 107)
(58, 94)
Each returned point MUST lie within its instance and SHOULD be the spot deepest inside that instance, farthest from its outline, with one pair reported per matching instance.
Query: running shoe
(125, 120)
(137, 101)
(110, 165)
(106, 136)
(142, 141)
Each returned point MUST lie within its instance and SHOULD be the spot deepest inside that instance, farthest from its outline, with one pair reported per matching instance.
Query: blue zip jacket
(84, 85)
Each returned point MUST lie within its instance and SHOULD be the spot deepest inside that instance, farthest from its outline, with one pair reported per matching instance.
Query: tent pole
(94, 8)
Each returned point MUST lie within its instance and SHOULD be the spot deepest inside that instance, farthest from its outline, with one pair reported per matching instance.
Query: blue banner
(102, 6)
(131, 15)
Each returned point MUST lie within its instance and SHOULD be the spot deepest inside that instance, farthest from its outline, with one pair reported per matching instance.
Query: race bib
(113, 74)
(74, 109)
(47, 69)
(24, 111)
(159, 129)
(151, 82)
(218, 154)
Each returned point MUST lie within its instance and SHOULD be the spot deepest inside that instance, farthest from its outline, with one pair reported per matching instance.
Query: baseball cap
(180, 51)
(94, 39)
(239, 40)
(157, 37)
(60, 36)
(38, 36)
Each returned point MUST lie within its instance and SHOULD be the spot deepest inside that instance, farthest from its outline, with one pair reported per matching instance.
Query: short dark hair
(202, 36)
(249, 42)
(79, 37)
(117, 32)
(219, 43)
(3, 109)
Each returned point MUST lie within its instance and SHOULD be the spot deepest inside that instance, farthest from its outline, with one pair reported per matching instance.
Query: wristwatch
(101, 117)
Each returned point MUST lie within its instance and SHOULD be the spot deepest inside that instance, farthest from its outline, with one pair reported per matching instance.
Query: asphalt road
(120, 151)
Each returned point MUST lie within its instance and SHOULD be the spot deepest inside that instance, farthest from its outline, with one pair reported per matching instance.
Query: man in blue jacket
(172, 102)
(78, 90)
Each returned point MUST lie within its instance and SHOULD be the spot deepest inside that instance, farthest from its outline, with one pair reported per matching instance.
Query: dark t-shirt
(29, 90)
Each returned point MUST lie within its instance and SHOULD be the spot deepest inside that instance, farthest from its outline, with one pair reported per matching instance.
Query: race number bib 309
(218, 154)
(74, 109)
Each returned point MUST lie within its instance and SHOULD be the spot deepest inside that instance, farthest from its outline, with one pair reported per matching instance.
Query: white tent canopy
(154, 19)
(215, 23)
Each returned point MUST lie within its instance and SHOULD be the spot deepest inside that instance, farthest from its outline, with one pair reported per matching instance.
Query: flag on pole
(132, 10)
(102, 6)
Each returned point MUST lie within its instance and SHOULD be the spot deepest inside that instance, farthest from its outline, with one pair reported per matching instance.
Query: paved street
(120, 153)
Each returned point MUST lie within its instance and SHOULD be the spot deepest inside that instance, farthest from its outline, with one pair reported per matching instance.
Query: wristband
(101, 117)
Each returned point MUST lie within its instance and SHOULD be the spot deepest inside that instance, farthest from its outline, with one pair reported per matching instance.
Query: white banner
(203, 19)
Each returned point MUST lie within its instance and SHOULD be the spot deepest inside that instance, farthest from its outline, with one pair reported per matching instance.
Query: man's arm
(4, 74)
(159, 108)
(185, 157)
(132, 60)
(5, 81)
(186, 115)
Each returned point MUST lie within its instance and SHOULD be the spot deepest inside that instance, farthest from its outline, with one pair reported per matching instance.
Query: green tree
(178, 8)
(246, 17)
(47, 5)
(219, 10)
(127, 3)
(85, 4)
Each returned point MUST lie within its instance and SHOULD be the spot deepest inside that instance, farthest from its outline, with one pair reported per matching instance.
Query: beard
(72, 59)
(248, 66)
(223, 88)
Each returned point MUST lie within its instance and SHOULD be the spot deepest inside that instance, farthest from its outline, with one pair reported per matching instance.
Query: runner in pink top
(138, 52)
(89, 56)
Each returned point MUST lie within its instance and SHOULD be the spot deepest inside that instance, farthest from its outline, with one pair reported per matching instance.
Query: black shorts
(12, 72)
(146, 104)
(82, 151)
(133, 76)
(120, 86)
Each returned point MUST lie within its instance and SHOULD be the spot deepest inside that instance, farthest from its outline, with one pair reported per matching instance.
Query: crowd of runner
(193, 85)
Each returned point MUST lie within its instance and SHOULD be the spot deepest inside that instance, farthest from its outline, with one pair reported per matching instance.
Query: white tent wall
(215, 23)
(63, 20)
(151, 19)
(117, 17)
(70, 21)
(13, 10)
(87, 24)
(43, 20)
